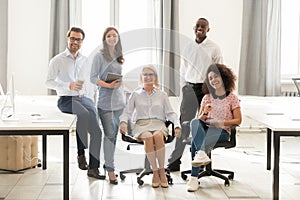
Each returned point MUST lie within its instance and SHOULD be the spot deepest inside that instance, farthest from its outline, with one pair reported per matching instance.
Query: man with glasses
(66, 76)
(197, 57)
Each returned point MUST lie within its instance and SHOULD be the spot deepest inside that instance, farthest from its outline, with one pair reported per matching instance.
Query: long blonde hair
(153, 69)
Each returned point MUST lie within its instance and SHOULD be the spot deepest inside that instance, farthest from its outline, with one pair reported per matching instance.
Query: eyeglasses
(73, 39)
(146, 74)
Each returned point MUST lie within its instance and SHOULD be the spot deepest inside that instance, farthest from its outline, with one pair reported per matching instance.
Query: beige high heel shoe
(155, 179)
(163, 178)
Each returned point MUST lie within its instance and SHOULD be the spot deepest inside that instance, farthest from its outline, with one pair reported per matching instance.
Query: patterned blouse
(222, 107)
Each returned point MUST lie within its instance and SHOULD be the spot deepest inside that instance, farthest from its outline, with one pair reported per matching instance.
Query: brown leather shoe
(94, 173)
(82, 164)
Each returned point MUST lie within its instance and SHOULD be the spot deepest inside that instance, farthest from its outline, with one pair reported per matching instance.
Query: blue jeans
(87, 122)
(110, 122)
(204, 138)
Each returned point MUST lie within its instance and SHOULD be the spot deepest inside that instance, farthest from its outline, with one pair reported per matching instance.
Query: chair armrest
(232, 140)
(130, 139)
(171, 137)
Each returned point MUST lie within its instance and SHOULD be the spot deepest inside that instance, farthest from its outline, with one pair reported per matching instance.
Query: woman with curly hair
(219, 110)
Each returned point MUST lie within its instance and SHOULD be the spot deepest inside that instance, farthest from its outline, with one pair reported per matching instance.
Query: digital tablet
(110, 77)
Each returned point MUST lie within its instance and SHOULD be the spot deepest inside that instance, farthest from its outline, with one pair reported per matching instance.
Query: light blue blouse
(109, 99)
(154, 106)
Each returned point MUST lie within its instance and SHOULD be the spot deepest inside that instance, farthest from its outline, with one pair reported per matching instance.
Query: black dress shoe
(114, 182)
(82, 164)
(175, 166)
(94, 173)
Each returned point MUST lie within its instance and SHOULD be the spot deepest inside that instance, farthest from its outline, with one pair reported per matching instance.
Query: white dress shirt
(64, 69)
(196, 59)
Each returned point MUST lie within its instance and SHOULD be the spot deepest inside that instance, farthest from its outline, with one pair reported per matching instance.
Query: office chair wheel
(183, 176)
(122, 177)
(140, 181)
(39, 163)
(230, 176)
(226, 183)
(170, 180)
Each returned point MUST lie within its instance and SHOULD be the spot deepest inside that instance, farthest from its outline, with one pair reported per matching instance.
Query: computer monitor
(8, 111)
(1, 90)
(11, 93)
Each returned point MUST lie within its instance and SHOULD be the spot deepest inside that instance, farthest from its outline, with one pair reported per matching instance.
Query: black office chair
(141, 172)
(208, 168)
(297, 84)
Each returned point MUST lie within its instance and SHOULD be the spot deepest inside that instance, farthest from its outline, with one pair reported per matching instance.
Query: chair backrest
(297, 84)
(170, 138)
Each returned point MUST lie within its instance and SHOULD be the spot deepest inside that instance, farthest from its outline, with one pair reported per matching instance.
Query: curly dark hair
(227, 75)
(118, 47)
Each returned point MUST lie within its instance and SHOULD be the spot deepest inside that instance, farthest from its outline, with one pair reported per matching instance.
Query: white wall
(225, 18)
(28, 44)
(29, 25)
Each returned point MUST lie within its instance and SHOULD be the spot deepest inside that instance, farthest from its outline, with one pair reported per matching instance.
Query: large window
(136, 25)
(134, 17)
(95, 18)
(290, 40)
(134, 20)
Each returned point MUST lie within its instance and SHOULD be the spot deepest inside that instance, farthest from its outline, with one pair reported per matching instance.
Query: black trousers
(191, 99)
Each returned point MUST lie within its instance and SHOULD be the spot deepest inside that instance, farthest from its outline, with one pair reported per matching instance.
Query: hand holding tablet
(112, 77)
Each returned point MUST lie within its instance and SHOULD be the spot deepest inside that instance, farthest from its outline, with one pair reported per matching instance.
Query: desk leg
(44, 141)
(66, 165)
(269, 141)
(276, 166)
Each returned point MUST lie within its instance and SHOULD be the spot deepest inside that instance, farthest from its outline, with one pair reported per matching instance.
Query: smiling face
(215, 80)
(74, 42)
(111, 38)
(148, 76)
(201, 28)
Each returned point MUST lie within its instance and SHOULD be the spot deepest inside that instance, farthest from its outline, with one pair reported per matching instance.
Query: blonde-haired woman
(152, 108)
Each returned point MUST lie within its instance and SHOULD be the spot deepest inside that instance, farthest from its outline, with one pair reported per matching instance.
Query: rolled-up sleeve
(52, 82)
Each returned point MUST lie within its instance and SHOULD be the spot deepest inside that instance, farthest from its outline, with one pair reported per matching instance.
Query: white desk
(58, 124)
(281, 116)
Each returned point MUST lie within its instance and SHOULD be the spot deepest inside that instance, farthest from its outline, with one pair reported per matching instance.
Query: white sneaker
(200, 159)
(193, 184)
